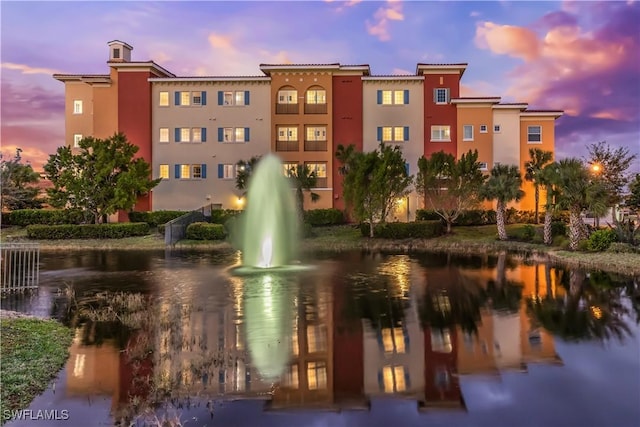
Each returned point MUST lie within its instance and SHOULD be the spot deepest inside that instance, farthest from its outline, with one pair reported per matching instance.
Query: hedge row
(486, 217)
(323, 217)
(88, 231)
(155, 218)
(24, 217)
(205, 231)
(405, 230)
(220, 216)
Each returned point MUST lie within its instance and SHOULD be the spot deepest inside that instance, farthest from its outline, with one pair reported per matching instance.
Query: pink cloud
(391, 11)
(508, 40)
(37, 142)
(27, 69)
(30, 103)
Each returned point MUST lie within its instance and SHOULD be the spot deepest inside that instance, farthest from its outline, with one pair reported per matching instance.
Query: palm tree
(572, 179)
(244, 170)
(533, 167)
(503, 186)
(303, 179)
(548, 178)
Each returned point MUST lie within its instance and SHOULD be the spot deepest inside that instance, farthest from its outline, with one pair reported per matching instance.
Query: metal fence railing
(19, 266)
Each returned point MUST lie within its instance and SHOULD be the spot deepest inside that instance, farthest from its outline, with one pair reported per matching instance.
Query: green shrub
(526, 233)
(466, 218)
(427, 215)
(561, 242)
(600, 240)
(558, 228)
(306, 230)
(161, 228)
(323, 217)
(583, 245)
(155, 218)
(24, 217)
(405, 230)
(205, 231)
(622, 248)
(562, 216)
(88, 231)
(221, 216)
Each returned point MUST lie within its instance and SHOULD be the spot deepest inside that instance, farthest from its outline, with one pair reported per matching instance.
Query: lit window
(318, 96)
(398, 133)
(185, 135)
(393, 379)
(441, 340)
(496, 128)
(164, 134)
(316, 338)
(440, 133)
(317, 375)
(441, 95)
(230, 97)
(534, 134)
(393, 340)
(76, 139)
(398, 96)
(233, 135)
(240, 135)
(290, 169)
(229, 171)
(239, 98)
(467, 133)
(483, 128)
(185, 98)
(393, 133)
(386, 97)
(197, 135)
(287, 134)
(164, 172)
(287, 97)
(77, 106)
(185, 171)
(316, 133)
(320, 169)
(164, 99)
(393, 97)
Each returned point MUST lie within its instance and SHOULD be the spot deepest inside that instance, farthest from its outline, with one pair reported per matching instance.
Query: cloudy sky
(582, 57)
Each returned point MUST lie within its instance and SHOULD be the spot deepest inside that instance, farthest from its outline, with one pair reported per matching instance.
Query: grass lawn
(32, 351)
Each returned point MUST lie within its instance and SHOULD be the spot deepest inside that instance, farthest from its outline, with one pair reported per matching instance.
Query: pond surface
(357, 339)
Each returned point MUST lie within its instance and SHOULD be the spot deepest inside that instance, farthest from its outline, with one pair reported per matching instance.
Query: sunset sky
(582, 57)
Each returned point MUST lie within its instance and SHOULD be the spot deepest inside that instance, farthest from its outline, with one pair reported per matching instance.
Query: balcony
(286, 108)
(315, 108)
(287, 146)
(315, 146)
(321, 183)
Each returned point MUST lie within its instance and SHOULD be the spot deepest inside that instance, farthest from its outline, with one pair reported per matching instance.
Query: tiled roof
(81, 75)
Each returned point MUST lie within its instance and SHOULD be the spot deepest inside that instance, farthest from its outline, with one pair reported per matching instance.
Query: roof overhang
(441, 68)
(210, 79)
(392, 78)
(542, 113)
(89, 79)
(137, 66)
(478, 100)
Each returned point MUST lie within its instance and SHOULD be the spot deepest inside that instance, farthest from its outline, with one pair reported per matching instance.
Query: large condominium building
(193, 130)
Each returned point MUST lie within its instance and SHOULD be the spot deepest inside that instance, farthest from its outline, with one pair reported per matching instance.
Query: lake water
(353, 339)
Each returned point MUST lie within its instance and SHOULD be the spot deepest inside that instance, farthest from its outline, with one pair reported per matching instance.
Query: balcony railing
(321, 183)
(287, 146)
(287, 109)
(315, 108)
(315, 146)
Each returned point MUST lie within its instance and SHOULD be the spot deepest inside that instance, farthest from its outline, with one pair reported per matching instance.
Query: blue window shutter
(379, 96)
(379, 338)
(220, 134)
(203, 135)
(246, 97)
(407, 380)
(220, 170)
(406, 167)
(405, 333)
(177, 98)
(220, 97)
(406, 96)
(177, 171)
(246, 135)
(380, 382)
(379, 133)
(204, 97)
(177, 134)
(406, 133)
(203, 170)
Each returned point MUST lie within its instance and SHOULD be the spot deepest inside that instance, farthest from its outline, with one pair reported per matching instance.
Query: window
(191, 134)
(441, 378)
(483, 166)
(320, 170)
(77, 106)
(394, 379)
(164, 135)
(440, 133)
(231, 135)
(191, 98)
(233, 97)
(316, 338)
(316, 96)
(287, 96)
(441, 340)
(393, 340)
(316, 133)
(163, 172)
(483, 128)
(116, 53)
(441, 95)
(196, 171)
(77, 137)
(287, 133)
(185, 171)
(290, 169)
(467, 133)
(227, 171)
(393, 97)
(534, 134)
(317, 375)
(496, 129)
(164, 99)
(291, 376)
(393, 133)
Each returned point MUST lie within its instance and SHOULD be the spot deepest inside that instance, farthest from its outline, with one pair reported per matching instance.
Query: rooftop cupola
(119, 51)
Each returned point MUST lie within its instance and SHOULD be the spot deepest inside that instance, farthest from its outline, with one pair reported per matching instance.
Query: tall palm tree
(539, 158)
(572, 179)
(244, 170)
(548, 178)
(303, 179)
(503, 186)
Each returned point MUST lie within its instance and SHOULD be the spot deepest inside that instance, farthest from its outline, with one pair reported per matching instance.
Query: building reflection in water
(333, 339)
